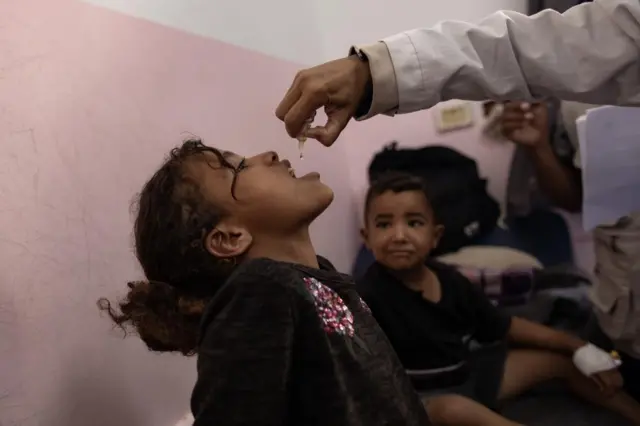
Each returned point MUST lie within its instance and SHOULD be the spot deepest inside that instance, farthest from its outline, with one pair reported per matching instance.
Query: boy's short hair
(395, 182)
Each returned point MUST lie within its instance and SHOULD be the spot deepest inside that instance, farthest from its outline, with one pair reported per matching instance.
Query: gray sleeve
(589, 54)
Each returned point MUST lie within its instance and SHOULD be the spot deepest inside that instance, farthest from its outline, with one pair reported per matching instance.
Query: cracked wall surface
(90, 102)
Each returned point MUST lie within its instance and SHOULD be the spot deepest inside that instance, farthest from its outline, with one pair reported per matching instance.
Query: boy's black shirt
(427, 335)
(283, 344)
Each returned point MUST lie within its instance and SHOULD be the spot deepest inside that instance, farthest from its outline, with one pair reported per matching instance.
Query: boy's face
(400, 229)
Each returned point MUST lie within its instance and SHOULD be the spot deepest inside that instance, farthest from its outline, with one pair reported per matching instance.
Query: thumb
(327, 134)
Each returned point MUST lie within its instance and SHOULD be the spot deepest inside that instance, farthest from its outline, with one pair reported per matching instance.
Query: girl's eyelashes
(223, 162)
(242, 165)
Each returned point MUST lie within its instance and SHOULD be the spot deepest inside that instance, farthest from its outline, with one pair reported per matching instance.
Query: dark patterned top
(286, 345)
(428, 336)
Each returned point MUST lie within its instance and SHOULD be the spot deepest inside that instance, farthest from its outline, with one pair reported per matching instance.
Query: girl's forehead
(231, 157)
(218, 158)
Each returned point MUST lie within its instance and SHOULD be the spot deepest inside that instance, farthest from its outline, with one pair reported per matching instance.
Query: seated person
(430, 312)
(231, 275)
(615, 317)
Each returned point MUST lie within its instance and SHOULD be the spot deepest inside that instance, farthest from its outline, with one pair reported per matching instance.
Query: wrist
(363, 72)
(381, 84)
(363, 68)
(575, 344)
(541, 147)
(591, 360)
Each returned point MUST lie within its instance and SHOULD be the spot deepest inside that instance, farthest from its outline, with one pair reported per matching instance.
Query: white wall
(304, 32)
(285, 29)
(343, 23)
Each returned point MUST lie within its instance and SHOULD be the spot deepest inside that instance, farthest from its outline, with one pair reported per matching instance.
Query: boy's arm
(494, 325)
(535, 335)
(244, 359)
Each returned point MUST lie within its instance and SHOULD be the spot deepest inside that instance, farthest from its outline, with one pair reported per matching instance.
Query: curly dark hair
(396, 181)
(173, 218)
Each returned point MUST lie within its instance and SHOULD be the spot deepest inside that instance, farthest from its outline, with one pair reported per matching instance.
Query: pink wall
(91, 101)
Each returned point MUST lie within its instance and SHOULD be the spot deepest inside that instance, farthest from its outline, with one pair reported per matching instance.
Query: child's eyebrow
(383, 216)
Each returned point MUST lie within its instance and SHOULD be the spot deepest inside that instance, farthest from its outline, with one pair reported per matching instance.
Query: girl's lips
(311, 176)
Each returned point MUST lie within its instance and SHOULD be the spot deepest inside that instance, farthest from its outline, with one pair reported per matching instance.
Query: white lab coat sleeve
(591, 53)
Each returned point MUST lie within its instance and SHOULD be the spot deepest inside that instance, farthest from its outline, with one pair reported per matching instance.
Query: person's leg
(526, 368)
(456, 410)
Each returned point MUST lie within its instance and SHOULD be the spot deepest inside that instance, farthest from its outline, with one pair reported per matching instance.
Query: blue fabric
(544, 234)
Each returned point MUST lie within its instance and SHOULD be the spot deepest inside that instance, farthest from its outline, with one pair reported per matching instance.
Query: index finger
(297, 115)
(289, 99)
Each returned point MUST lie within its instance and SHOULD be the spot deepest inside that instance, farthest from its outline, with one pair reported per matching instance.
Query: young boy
(430, 312)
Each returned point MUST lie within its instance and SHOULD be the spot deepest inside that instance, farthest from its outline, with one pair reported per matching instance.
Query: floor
(552, 406)
(557, 408)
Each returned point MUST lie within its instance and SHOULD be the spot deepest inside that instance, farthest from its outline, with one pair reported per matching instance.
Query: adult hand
(525, 124)
(338, 86)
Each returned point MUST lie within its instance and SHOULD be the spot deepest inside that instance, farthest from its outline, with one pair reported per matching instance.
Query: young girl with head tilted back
(232, 276)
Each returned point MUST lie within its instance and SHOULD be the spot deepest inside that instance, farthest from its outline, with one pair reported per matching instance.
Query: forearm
(559, 183)
(593, 58)
(528, 333)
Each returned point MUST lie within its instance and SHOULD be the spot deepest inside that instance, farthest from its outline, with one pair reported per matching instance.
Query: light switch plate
(453, 116)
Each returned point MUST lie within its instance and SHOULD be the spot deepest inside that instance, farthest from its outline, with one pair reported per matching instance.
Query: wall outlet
(453, 116)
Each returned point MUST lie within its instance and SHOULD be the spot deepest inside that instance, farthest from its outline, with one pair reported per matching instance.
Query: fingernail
(525, 106)
(528, 116)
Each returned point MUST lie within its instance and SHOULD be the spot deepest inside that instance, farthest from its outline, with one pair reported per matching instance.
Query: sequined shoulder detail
(334, 313)
(364, 305)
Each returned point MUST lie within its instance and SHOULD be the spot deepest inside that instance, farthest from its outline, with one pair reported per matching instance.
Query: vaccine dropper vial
(302, 138)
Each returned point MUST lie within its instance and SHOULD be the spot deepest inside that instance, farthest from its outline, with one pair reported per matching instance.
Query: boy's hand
(525, 124)
(599, 366)
(609, 382)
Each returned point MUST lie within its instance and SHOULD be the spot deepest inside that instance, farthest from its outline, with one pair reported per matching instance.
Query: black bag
(457, 193)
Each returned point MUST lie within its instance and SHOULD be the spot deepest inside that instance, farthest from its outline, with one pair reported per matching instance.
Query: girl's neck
(296, 248)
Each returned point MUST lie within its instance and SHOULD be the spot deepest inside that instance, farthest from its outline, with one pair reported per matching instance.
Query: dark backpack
(456, 191)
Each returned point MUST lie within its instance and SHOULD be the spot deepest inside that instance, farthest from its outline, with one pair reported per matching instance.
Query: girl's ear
(228, 241)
